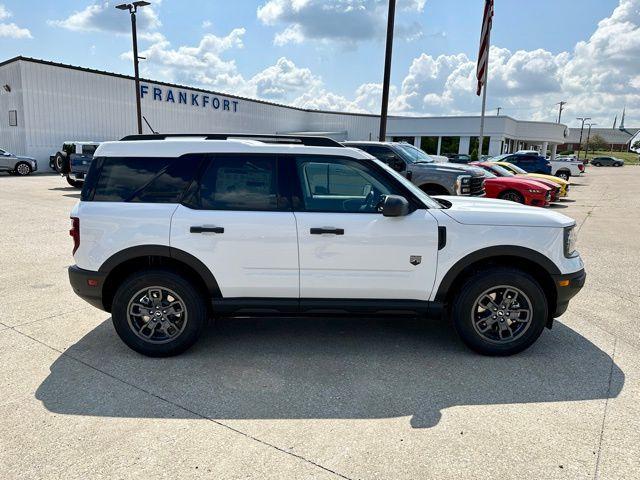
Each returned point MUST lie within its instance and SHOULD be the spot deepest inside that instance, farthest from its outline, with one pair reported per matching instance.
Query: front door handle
(206, 230)
(331, 230)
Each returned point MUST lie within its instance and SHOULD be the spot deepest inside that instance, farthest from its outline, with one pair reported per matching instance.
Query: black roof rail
(305, 140)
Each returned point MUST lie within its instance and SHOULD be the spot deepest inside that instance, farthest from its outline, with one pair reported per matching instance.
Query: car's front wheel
(512, 196)
(500, 311)
(74, 183)
(158, 313)
(23, 169)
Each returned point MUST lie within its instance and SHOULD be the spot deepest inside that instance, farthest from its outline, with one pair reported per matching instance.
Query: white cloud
(11, 30)
(207, 24)
(104, 17)
(345, 21)
(598, 77)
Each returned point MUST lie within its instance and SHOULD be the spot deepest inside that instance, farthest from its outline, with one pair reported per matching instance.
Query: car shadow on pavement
(321, 368)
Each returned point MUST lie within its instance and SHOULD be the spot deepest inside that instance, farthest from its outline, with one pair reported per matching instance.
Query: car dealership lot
(334, 398)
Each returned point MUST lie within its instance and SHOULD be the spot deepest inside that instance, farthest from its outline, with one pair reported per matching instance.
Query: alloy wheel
(502, 314)
(23, 169)
(157, 315)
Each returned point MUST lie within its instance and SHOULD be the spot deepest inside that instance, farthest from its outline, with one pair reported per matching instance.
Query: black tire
(22, 169)
(465, 300)
(61, 163)
(194, 318)
(512, 196)
(596, 164)
(74, 183)
(563, 174)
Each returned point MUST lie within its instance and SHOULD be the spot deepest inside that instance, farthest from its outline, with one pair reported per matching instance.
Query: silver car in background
(17, 164)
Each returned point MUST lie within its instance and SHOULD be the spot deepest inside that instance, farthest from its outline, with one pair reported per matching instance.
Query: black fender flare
(493, 252)
(166, 251)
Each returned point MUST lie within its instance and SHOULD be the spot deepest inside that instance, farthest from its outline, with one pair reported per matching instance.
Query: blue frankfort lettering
(183, 98)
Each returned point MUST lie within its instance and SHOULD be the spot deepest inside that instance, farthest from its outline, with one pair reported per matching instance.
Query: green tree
(596, 142)
(474, 155)
(636, 145)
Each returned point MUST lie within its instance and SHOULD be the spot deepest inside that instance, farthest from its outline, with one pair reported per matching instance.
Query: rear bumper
(567, 286)
(87, 285)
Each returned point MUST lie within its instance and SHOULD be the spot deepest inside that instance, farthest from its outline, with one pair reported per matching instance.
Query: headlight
(463, 185)
(570, 241)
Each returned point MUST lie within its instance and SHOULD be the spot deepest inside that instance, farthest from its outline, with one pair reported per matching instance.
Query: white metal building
(43, 104)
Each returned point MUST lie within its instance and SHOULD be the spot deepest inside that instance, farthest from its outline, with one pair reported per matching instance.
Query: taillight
(75, 233)
(581, 167)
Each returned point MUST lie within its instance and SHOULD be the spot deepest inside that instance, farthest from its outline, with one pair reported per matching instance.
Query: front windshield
(413, 154)
(501, 171)
(426, 199)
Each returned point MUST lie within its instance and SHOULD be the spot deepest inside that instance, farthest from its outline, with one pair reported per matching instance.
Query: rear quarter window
(139, 179)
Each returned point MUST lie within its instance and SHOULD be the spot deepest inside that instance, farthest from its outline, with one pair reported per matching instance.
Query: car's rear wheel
(158, 313)
(500, 311)
(563, 174)
(512, 196)
(23, 169)
(597, 164)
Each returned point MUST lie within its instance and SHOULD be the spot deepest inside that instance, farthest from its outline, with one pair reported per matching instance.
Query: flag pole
(484, 98)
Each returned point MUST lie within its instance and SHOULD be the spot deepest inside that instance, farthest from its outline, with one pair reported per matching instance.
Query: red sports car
(502, 172)
(516, 189)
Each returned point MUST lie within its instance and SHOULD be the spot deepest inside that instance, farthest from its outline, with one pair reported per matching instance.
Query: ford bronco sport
(172, 230)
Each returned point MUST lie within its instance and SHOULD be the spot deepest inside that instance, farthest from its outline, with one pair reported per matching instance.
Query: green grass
(629, 158)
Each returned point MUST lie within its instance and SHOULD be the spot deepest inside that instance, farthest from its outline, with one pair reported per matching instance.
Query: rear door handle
(331, 230)
(206, 230)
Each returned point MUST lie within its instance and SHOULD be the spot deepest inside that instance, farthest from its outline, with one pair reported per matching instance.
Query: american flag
(483, 54)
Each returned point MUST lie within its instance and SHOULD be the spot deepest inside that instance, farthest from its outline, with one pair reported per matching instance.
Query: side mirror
(397, 164)
(395, 206)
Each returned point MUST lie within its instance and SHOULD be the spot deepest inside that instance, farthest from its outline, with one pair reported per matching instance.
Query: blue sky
(329, 54)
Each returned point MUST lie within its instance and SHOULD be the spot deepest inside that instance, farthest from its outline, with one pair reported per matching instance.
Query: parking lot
(334, 398)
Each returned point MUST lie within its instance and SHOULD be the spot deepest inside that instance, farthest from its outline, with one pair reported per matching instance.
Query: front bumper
(87, 285)
(567, 286)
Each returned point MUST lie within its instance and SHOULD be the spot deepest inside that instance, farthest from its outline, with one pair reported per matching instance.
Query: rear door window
(239, 182)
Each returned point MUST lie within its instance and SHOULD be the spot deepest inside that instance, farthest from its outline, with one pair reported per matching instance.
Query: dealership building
(43, 104)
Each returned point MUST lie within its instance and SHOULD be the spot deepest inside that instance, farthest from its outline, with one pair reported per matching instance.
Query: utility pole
(498, 113)
(387, 71)
(562, 104)
(133, 8)
(582, 119)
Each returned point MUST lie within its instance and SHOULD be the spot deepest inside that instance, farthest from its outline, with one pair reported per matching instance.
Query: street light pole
(387, 71)
(581, 130)
(133, 8)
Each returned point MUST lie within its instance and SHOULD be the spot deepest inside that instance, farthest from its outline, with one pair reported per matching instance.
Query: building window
(429, 145)
(450, 145)
(473, 145)
(409, 140)
(13, 118)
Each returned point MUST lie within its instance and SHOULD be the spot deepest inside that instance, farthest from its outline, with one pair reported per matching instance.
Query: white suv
(172, 230)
